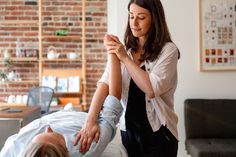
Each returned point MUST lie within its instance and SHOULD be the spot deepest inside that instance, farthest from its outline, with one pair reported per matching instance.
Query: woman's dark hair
(158, 34)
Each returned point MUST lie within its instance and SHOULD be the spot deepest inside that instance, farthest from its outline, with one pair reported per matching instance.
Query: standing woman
(149, 79)
(149, 124)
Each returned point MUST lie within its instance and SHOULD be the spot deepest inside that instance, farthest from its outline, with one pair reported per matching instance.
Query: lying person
(59, 130)
(54, 134)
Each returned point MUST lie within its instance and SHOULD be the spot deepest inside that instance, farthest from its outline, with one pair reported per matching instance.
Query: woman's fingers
(83, 144)
(86, 136)
(114, 38)
(77, 138)
(111, 48)
(107, 40)
(88, 144)
(82, 137)
(97, 136)
(113, 45)
(111, 40)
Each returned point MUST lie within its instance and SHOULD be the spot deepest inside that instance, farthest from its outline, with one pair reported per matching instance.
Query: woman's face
(140, 21)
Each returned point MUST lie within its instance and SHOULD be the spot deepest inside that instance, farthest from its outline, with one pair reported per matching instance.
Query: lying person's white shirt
(68, 123)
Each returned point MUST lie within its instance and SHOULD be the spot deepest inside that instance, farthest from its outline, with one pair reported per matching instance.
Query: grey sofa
(210, 126)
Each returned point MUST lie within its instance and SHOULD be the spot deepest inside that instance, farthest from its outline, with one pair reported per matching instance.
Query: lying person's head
(47, 144)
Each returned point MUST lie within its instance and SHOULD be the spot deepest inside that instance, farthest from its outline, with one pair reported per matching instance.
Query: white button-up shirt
(163, 77)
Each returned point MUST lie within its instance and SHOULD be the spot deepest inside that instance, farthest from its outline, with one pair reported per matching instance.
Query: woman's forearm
(140, 77)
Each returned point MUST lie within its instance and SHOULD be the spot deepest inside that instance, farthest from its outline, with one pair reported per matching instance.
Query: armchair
(210, 126)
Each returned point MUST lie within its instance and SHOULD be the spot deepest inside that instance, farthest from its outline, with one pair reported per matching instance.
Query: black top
(135, 116)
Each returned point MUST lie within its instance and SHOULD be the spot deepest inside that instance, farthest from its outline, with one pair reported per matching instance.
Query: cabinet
(53, 17)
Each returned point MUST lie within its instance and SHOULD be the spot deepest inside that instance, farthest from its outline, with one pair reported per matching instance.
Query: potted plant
(7, 63)
(3, 76)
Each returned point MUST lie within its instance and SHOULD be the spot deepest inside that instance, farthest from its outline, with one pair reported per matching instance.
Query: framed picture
(217, 35)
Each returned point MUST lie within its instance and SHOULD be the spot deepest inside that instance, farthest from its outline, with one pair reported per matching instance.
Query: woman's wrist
(91, 120)
(125, 59)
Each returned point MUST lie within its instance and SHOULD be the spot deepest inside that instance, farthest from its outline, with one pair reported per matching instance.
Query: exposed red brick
(57, 14)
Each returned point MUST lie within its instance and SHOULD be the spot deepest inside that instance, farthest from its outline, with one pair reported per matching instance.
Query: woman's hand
(113, 45)
(86, 135)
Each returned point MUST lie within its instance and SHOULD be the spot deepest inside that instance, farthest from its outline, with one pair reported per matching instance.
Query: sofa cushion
(210, 118)
(211, 147)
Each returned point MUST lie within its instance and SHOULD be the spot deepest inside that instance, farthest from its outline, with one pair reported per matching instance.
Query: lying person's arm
(66, 123)
(90, 131)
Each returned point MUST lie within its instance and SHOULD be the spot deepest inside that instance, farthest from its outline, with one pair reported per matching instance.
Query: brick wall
(57, 14)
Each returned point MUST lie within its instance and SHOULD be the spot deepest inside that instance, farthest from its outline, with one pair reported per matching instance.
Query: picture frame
(217, 35)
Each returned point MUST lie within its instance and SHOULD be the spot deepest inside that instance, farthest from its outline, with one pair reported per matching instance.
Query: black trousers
(161, 143)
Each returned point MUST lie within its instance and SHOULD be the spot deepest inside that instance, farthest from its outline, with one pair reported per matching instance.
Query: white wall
(117, 17)
(182, 18)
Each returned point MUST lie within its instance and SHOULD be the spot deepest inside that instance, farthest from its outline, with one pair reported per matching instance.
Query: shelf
(67, 93)
(20, 82)
(43, 39)
(61, 37)
(60, 59)
(22, 59)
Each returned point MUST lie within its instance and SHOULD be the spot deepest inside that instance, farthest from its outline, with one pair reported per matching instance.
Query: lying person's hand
(88, 134)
